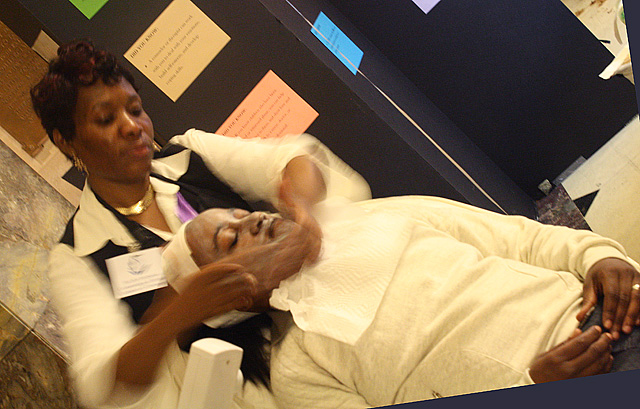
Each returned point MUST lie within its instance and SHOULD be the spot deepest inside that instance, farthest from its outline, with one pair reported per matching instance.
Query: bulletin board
(367, 133)
(259, 43)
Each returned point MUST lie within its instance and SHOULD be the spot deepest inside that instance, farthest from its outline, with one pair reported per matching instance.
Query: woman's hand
(613, 279)
(217, 288)
(276, 261)
(271, 263)
(214, 290)
(583, 354)
(301, 188)
(309, 230)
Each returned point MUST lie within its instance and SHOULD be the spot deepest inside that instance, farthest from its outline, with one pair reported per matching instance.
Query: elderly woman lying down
(418, 297)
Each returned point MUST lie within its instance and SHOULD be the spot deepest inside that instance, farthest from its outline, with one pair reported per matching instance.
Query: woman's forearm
(139, 358)
(305, 180)
(216, 289)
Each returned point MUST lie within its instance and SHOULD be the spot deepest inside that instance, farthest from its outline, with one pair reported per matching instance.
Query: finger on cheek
(252, 281)
(244, 303)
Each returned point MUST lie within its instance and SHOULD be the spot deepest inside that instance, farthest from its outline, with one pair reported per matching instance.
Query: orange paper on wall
(270, 110)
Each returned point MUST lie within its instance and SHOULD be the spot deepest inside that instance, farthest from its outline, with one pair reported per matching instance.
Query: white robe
(474, 298)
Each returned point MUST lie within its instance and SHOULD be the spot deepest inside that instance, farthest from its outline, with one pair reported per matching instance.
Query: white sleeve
(253, 167)
(554, 247)
(96, 325)
(524, 380)
(298, 381)
(514, 237)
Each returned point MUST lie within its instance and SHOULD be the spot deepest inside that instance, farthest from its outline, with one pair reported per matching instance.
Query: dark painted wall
(258, 43)
(394, 159)
(520, 78)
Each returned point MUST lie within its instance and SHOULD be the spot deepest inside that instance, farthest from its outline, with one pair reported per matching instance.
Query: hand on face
(267, 246)
(214, 290)
(297, 207)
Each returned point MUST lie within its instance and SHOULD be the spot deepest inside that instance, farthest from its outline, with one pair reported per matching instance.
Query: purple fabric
(184, 211)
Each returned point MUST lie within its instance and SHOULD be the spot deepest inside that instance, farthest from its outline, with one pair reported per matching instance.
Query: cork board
(20, 69)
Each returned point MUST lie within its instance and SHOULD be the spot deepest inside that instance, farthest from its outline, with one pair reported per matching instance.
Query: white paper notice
(177, 47)
(426, 5)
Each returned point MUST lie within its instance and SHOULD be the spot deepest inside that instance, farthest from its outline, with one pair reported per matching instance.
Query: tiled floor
(32, 353)
(32, 217)
(33, 377)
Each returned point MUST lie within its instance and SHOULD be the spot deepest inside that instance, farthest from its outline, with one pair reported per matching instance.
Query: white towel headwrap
(178, 265)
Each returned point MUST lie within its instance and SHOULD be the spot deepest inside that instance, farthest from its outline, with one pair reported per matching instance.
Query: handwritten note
(270, 110)
(177, 47)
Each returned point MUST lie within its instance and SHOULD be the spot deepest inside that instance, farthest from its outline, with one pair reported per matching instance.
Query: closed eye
(234, 242)
(226, 239)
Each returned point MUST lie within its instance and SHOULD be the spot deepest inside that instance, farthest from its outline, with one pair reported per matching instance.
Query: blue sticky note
(336, 41)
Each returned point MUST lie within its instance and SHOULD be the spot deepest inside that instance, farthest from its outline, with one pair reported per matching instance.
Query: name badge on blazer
(137, 272)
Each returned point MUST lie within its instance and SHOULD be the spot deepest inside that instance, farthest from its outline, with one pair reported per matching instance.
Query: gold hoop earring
(78, 163)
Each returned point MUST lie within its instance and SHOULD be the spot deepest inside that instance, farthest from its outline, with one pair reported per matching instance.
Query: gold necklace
(139, 207)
